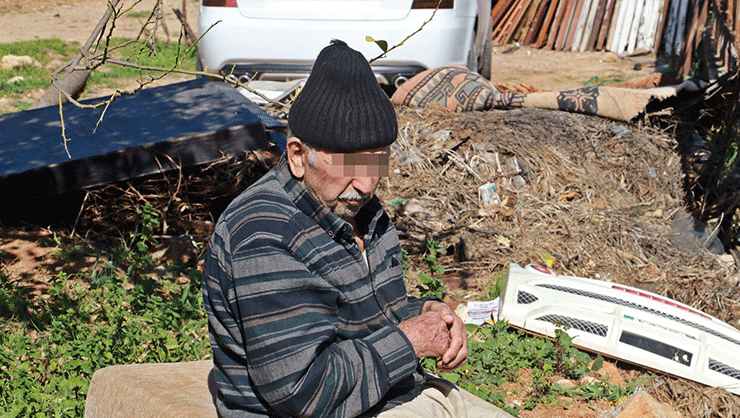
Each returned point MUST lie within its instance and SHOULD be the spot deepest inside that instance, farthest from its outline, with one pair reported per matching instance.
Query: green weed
(109, 315)
(429, 283)
(119, 314)
(497, 354)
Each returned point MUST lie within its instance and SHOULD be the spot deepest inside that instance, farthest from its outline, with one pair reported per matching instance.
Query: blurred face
(342, 182)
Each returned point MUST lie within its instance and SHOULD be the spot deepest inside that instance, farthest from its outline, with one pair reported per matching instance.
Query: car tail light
(432, 4)
(219, 3)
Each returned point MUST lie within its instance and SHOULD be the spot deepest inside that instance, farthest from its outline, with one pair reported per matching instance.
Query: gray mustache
(353, 194)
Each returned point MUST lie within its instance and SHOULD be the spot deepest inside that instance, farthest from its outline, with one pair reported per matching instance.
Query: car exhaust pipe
(398, 80)
(245, 78)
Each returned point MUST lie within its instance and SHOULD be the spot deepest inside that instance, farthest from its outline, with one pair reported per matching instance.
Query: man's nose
(364, 185)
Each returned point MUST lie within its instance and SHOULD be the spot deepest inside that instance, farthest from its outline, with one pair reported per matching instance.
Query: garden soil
(587, 196)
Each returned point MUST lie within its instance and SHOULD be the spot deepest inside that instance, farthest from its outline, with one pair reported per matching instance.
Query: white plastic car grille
(525, 298)
(724, 369)
(633, 305)
(575, 323)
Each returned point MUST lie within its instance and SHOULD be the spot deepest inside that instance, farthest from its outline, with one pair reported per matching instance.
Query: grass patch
(44, 51)
(121, 312)
(505, 363)
(117, 313)
(517, 371)
(163, 54)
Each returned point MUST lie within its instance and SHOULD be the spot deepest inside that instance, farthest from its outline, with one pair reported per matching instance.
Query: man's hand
(457, 353)
(438, 331)
(427, 333)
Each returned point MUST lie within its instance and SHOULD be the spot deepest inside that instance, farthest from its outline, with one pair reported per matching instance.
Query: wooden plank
(193, 122)
(736, 27)
(646, 37)
(613, 28)
(573, 24)
(563, 25)
(680, 25)
(527, 22)
(619, 29)
(497, 16)
(546, 28)
(598, 26)
(635, 25)
(581, 25)
(537, 22)
(625, 27)
(497, 13)
(589, 28)
(506, 21)
(555, 27)
(567, 22)
(499, 25)
(662, 19)
(670, 31)
(698, 21)
(527, 11)
(516, 18)
(605, 29)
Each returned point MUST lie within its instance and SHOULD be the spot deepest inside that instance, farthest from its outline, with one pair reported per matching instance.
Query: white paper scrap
(482, 312)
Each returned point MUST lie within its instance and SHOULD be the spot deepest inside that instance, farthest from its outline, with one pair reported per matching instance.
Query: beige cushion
(165, 390)
(161, 390)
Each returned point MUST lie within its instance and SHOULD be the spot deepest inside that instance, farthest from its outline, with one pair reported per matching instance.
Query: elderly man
(308, 312)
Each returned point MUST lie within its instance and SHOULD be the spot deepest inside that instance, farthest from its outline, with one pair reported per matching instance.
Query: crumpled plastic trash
(619, 131)
(689, 233)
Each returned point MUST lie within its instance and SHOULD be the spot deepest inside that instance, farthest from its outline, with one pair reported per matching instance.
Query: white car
(279, 39)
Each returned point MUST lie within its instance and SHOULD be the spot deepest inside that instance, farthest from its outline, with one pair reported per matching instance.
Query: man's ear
(296, 150)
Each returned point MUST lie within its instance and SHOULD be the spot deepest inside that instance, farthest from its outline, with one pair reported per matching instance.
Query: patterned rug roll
(459, 89)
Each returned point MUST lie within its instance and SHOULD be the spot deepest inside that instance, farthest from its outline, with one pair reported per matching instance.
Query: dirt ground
(587, 209)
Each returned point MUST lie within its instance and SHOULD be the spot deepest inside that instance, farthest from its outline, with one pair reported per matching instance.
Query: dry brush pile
(587, 196)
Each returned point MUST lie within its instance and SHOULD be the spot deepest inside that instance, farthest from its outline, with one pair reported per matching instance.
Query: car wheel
(486, 60)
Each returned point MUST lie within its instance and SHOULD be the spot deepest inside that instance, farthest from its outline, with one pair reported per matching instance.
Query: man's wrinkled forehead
(360, 164)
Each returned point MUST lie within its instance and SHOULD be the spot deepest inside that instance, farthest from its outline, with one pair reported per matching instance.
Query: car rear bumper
(261, 45)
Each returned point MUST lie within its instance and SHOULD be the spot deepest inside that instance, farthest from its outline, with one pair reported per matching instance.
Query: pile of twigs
(587, 196)
(189, 201)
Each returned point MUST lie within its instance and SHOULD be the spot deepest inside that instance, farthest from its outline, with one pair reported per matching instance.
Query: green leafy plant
(136, 254)
(497, 354)
(51, 346)
(429, 283)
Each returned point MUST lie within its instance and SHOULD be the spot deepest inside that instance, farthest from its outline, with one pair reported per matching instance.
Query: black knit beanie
(342, 108)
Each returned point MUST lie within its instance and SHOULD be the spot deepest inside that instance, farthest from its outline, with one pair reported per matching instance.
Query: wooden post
(598, 25)
(552, 36)
(573, 25)
(547, 24)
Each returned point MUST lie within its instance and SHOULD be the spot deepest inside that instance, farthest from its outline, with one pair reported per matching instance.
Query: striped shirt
(299, 323)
